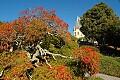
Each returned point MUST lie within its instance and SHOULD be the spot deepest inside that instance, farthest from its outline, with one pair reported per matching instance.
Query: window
(75, 33)
(78, 33)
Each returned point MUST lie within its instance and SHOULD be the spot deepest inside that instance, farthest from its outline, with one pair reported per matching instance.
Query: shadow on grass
(106, 50)
(86, 43)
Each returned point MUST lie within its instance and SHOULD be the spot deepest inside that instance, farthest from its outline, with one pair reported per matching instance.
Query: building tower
(77, 26)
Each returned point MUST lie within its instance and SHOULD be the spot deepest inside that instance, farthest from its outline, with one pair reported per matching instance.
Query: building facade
(76, 29)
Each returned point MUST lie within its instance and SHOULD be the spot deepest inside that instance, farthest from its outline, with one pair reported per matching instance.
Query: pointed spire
(78, 25)
(78, 18)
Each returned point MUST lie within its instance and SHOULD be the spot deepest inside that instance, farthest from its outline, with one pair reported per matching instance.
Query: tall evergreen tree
(96, 22)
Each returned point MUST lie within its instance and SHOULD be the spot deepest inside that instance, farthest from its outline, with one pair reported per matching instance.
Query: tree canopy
(32, 26)
(96, 22)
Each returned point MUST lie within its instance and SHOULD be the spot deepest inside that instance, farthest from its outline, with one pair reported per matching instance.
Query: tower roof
(77, 24)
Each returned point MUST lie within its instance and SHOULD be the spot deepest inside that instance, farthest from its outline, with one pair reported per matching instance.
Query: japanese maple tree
(48, 17)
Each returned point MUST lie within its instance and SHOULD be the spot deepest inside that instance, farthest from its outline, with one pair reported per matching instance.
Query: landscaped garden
(38, 46)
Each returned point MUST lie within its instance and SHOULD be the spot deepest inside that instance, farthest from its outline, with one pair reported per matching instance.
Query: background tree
(113, 36)
(96, 22)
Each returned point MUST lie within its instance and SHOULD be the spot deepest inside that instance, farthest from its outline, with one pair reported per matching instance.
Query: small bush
(94, 48)
(88, 60)
(55, 73)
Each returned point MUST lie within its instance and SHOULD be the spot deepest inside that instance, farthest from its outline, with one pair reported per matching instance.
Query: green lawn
(110, 65)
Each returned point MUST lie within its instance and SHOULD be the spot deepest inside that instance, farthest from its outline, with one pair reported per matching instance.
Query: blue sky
(67, 10)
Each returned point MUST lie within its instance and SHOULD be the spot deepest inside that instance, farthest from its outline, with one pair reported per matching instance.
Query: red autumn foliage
(7, 34)
(35, 30)
(7, 31)
(26, 24)
(53, 11)
(89, 59)
(4, 46)
(46, 16)
(63, 73)
(34, 23)
(50, 18)
(18, 72)
(18, 68)
(55, 73)
(19, 25)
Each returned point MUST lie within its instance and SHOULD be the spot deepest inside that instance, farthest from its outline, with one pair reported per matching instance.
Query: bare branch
(28, 75)
(2, 72)
(42, 53)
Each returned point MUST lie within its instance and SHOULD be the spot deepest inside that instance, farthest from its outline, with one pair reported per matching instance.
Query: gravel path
(106, 77)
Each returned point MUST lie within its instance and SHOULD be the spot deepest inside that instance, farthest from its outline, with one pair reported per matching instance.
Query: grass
(110, 65)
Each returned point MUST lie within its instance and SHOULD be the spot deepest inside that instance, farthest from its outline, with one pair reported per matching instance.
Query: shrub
(18, 72)
(94, 48)
(88, 60)
(15, 64)
(68, 48)
(55, 73)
